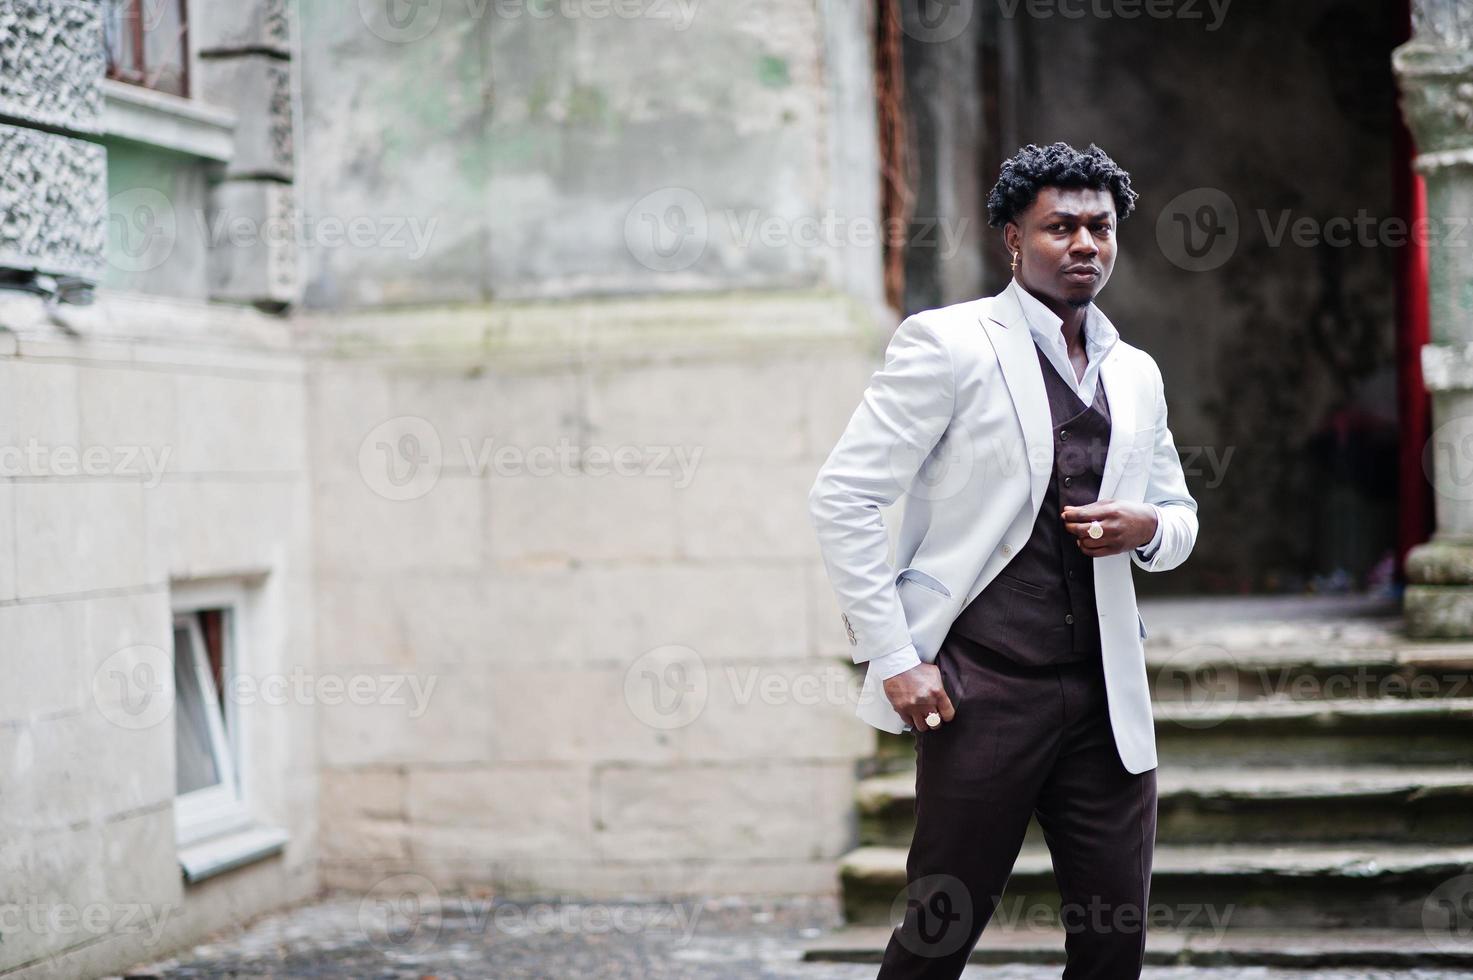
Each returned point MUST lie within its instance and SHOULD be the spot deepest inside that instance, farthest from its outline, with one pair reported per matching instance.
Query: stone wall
(199, 473)
(557, 610)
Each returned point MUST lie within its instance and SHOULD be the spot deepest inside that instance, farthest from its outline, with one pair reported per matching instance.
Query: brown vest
(1040, 609)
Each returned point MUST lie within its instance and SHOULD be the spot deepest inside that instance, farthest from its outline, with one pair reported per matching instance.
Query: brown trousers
(1025, 740)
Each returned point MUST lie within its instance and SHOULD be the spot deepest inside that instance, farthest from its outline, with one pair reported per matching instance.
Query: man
(1029, 443)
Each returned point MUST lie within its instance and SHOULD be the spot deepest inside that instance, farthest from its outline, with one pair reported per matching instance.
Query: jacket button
(1068, 481)
(1063, 435)
(1069, 618)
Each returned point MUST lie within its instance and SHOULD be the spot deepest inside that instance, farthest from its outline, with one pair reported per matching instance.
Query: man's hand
(1127, 524)
(917, 692)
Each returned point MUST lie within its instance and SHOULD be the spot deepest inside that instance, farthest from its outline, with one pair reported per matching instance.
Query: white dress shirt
(1047, 328)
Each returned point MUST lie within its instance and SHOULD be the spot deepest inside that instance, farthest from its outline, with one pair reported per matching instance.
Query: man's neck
(1073, 317)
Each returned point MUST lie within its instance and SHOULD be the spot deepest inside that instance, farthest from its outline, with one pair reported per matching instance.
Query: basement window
(208, 798)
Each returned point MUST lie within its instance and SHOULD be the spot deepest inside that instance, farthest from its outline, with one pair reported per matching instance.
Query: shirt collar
(1099, 333)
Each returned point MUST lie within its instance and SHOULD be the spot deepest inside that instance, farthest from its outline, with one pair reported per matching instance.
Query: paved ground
(495, 940)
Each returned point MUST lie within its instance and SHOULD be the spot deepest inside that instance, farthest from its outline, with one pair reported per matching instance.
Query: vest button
(1069, 618)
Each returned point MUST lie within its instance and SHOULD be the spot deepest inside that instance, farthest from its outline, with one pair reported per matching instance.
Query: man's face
(1067, 242)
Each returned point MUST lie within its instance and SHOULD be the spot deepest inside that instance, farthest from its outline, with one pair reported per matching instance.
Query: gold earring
(1015, 261)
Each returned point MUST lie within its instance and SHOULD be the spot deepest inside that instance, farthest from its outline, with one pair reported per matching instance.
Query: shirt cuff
(890, 664)
(1148, 550)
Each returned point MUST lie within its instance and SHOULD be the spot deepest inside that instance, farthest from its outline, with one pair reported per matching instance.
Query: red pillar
(1415, 511)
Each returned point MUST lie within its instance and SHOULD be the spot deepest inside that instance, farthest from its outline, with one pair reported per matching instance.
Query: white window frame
(223, 808)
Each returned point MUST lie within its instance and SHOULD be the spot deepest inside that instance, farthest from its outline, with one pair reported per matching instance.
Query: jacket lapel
(1008, 330)
(1119, 389)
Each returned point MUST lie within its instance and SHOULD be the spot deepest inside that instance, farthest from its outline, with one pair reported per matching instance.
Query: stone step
(1259, 805)
(1304, 949)
(1414, 732)
(1227, 886)
(1215, 732)
(1196, 673)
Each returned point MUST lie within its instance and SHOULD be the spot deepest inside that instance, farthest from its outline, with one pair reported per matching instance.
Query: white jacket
(957, 423)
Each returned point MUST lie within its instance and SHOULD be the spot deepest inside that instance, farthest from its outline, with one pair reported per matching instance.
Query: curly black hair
(1059, 165)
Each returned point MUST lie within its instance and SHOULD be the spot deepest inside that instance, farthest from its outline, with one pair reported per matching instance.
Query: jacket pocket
(928, 582)
(1022, 585)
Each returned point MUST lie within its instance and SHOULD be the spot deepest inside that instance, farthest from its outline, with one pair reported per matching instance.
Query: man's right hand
(917, 692)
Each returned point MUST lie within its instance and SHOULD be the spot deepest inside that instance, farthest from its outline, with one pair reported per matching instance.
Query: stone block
(254, 233)
(54, 62)
(563, 516)
(76, 537)
(745, 510)
(513, 810)
(748, 410)
(361, 532)
(258, 88)
(53, 199)
(259, 26)
(761, 811)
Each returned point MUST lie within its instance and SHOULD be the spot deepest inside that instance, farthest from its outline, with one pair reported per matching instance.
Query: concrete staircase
(1315, 798)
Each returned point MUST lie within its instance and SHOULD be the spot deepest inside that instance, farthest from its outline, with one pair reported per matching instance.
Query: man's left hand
(1127, 524)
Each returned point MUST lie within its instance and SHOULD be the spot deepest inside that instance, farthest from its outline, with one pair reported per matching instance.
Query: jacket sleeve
(905, 409)
(1166, 489)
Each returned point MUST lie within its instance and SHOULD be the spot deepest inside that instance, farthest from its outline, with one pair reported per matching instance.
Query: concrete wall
(87, 848)
(637, 679)
(725, 159)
